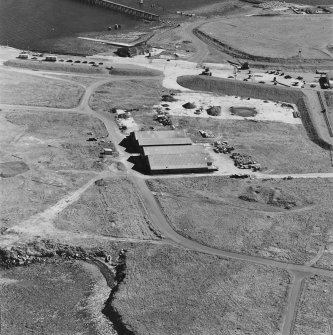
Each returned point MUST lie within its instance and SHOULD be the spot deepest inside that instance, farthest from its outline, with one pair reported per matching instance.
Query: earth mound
(11, 169)
(168, 98)
(270, 196)
(189, 105)
(214, 111)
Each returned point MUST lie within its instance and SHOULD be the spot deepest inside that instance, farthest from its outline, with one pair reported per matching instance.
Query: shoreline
(72, 45)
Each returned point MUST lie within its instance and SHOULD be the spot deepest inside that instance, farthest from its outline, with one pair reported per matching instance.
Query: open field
(56, 66)
(127, 94)
(50, 298)
(32, 192)
(210, 210)
(37, 178)
(23, 89)
(112, 209)
(278, 147)
(172, 291)
(57, 140)
(275, 37)
(315, 314)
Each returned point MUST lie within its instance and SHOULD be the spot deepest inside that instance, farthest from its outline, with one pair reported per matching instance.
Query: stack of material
(244, 161)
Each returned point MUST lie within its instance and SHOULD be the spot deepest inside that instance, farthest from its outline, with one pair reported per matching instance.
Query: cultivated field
(112, 209)
(172, 291)
(288, 220)
(23, 89)
(315, 313)
(127, 94)
(53, 298)
(275, 36)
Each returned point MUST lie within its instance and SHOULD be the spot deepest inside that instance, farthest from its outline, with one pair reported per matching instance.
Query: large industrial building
(171, 152)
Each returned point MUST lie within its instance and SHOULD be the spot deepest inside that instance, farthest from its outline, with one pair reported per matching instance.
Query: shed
(142, 139)
(179, 163)
(167, 150)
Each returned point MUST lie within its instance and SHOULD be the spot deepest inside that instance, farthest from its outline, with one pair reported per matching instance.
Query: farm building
(167, 150)
(133, 50)
(142, 139)
(179, 163)
(170, 151)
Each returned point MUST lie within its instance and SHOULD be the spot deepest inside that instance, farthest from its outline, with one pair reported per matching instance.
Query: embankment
(55, 66)
(311, 115)
(236, 53)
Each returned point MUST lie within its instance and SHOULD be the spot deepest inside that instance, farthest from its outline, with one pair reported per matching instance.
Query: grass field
(114, 209)
(127, 94)
(315, 314)
(55, 141)
(23, 89)
(172, 291)
(209, 210)
(278, 147)
(275, 37)
(49, 299)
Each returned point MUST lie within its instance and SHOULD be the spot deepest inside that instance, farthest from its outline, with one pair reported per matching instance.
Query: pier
(123, 9)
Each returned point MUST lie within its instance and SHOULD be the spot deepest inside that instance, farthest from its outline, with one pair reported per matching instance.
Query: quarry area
(185, 189)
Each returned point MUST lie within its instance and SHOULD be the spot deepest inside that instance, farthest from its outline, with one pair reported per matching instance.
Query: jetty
(123, 9)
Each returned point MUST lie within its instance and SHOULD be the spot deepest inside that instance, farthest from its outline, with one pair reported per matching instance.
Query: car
(69, 61)
(34, 58)
(91, 63)
(100, 63)
(77, 61)
(84, 62)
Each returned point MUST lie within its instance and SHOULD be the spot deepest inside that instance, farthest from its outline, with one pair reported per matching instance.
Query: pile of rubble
(244, 161)
(223, 147)
(206, 134)
(163, 118)
(42, 251)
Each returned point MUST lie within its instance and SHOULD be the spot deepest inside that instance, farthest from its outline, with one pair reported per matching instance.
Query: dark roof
(167, 150)
(178, 161)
